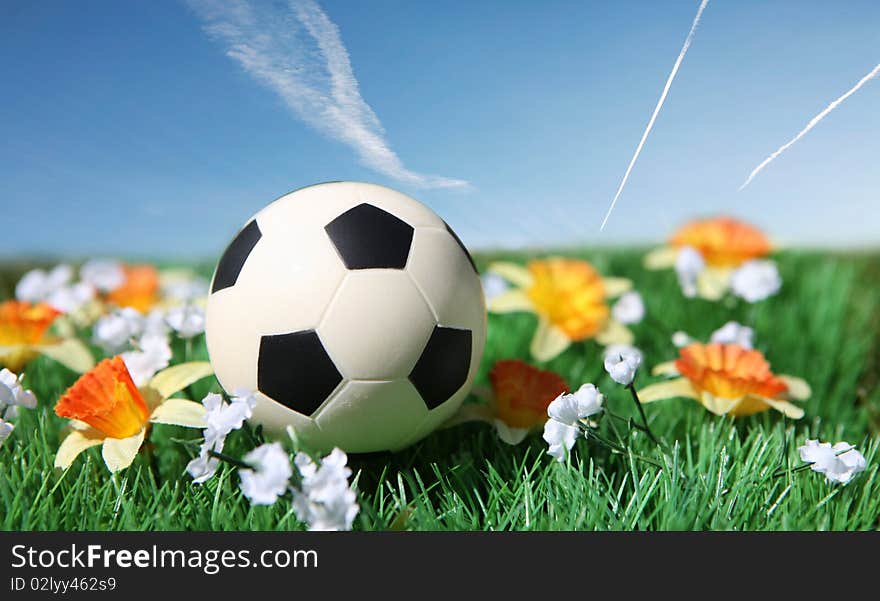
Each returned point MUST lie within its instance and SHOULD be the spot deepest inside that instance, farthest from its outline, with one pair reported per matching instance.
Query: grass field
(720, 473)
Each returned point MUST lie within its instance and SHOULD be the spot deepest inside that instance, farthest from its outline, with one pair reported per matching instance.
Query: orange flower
(23, 327)
(24, 323)
(107, 409)
(570, 299)
(517, 402)
(728, 371)
(521, 393)
(139, 291)
(106, 399)
(728, 379)
(723, 241)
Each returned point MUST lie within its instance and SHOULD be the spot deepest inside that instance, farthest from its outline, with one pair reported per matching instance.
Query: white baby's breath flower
(115, 332)
(560, 438)
(186, 290)
(756, 280)
(622, 363)
(689, 264)
(493, 285)
(105, 275)
(154, 323)
(270, 475)
(12, 393)
(566, 412)
(6, 429)
(221, 419)
(324, 500)
(37, 285)
(187, 320)
(68, 299)
(629, 308)
(153, 354)
(734, 333)
(839, 463)
(681, 339)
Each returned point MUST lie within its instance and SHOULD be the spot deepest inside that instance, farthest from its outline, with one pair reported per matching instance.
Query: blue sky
(129, 131)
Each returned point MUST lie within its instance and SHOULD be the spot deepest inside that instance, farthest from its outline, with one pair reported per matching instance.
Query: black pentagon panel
(463, 247)
(236, 254)
(366, 237)
(443, 367)
(296, 371)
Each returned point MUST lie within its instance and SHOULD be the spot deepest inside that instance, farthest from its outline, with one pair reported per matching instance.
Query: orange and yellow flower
(724, 243)
(140, 290)
(24, 334)
(728, 379)
(518, 400)
(106, 408)
(570, 299)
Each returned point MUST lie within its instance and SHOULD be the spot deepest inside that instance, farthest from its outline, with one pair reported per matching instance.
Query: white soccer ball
(354, 311)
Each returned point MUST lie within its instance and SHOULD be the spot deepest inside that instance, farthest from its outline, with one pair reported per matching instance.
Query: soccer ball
(354, 311)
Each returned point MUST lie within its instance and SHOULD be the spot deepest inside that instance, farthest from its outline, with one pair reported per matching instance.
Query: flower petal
(615, 332)
(614, 287)
(119, 453)
(70, 353)
(798, 389)
(784, 407)
(718, 405)
(174, 379)
(548, 341)
(667, 390)
(512, 436)
(665, 369)
(713, 283)
(511, 301)
(661, 258)
(180, 412)
(75, 443)
(471, 412)
(515, 274)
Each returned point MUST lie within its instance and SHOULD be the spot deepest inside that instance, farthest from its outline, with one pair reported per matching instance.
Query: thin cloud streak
(684, 49)
(299, 54)
(813, 123)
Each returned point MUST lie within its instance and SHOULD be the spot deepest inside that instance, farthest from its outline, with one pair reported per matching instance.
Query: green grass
(719, 474)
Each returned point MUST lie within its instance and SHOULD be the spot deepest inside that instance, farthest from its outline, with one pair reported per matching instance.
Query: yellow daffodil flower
(728, 379)
(24, 335)
(723, 243)
(570, 299)
(107, 409)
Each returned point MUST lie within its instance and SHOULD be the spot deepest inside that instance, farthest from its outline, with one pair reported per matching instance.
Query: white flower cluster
(55, 288)
(221, 419)
(732, 332)
(622, 362)
(324, 500)
(568, 414)
(12, 396)
(753, 281)
(839, 463)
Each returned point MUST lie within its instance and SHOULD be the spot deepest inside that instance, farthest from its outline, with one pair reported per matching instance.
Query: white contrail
(299, 54)
(813, 122)
(684, 49)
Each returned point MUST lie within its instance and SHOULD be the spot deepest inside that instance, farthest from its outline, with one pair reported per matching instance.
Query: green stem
(635, 397)
(231, 460)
